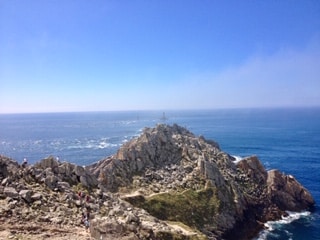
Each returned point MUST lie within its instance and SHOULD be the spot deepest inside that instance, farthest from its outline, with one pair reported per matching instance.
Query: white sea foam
(127, 122)
(102, 143)
(38, 142)
(267, 165)
(272, 225)
(237, 159)
(292, 216)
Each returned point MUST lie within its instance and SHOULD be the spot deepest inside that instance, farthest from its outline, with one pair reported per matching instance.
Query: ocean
(287, 139)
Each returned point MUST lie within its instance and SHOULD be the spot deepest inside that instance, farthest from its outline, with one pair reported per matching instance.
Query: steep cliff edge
(165, 184)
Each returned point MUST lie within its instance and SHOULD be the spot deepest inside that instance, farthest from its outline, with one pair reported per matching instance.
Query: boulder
(26, 195)
(89, 181)
(79, 171)
(49, 162)
(36, 196)
(106, 229)
(65, 169)
(11, 192)
(63, 186)
(51, 181)
(3, 169)
(8, 167)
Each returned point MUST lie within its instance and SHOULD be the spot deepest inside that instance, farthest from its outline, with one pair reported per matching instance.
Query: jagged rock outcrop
(169, 162)
(287, 193)
(165, 184)
(56, 174)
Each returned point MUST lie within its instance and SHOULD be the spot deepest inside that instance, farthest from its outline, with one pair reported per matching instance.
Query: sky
(79, 55)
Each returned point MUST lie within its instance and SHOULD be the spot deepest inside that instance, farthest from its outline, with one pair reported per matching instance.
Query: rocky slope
(165, 184)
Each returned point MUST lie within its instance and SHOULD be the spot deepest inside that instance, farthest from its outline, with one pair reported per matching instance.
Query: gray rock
(11, 192)
(12, 204)
(65, 169)
(4, 182)
(63, 185)
(89, 181)
(254, 169)
(79, 171)
(3, 169)
(26, 195)
(49, 162)
(78, 203)
(36, 196)
(51, 181)
(131, 218)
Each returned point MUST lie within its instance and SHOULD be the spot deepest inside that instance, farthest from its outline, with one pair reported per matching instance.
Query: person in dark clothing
(24, 163)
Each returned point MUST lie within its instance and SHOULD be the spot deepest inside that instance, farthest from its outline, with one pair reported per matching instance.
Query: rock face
(52, 172)
(165, 184)
(287, 193)
(166, 161)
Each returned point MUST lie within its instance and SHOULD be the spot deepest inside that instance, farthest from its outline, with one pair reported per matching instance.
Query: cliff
(165, 184)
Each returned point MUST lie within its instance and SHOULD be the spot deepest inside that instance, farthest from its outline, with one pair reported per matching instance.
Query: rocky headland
(165, 184)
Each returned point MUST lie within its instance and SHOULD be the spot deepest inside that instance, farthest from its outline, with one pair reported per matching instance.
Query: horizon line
(167, 110)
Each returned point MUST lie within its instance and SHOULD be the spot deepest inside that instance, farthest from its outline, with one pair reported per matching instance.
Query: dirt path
(34, 231)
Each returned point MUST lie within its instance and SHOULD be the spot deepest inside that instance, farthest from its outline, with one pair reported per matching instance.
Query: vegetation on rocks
(193, 208)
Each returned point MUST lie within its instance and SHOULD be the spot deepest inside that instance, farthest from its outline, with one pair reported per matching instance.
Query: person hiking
(24, 163)
(85, 220)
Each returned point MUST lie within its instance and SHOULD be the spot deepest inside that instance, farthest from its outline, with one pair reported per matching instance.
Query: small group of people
(83, 197)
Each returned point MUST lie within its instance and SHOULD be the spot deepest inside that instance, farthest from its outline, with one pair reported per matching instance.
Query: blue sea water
(285, 139)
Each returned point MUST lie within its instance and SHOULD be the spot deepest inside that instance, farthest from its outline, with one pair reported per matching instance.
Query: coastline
(228, 129)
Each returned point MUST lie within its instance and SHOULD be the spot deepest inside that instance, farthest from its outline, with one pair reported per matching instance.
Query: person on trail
(24, 163)
(88, 212)
(85, 220)
(86, 223)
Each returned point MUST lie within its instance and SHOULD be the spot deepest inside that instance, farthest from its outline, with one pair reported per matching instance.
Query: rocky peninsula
(165, 184)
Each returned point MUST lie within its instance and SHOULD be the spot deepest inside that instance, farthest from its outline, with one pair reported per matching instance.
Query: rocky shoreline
(165, 184)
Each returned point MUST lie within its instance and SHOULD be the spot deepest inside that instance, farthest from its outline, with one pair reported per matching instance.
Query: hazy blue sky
(95, 55)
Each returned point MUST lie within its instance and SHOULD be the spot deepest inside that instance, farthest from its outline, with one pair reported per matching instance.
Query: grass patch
(195, 234)
(193, 208)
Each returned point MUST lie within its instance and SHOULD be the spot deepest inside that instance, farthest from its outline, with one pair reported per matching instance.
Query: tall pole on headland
(163, 116)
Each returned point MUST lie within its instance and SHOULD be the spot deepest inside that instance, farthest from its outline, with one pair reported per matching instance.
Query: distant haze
(61, 56)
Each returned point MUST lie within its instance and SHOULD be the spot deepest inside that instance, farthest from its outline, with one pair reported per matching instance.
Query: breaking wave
(272, 227)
